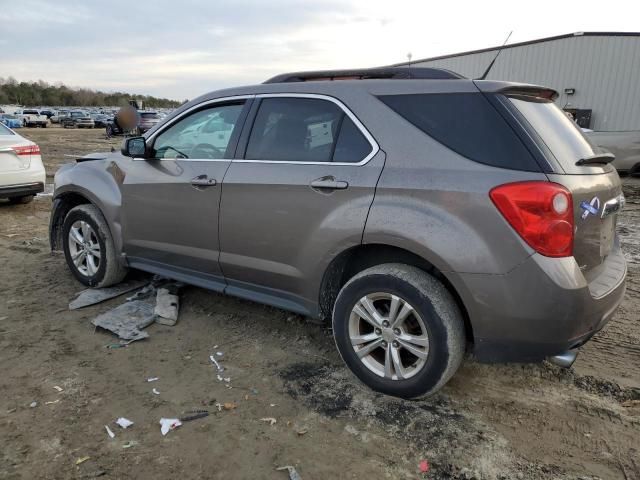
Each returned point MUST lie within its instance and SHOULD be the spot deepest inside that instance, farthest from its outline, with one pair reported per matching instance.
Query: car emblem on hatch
(590, 208)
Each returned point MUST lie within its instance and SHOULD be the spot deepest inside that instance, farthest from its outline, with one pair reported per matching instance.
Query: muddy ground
(489, 422)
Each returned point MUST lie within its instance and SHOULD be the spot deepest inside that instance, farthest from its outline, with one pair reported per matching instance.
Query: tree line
(40, 93)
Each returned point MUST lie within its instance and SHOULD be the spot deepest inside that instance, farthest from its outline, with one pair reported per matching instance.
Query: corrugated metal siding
(605, 71)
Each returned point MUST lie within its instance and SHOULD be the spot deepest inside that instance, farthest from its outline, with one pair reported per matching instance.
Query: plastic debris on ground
(57, 388)
(92, 296)
(124, 422)
(156, 391)
(153, 379)
(127, 320)
(215, 362)
(167, 424)
(52, 402)
(194, 415)
(269, 420)
(293, 473)
(167, 305)
(129, 444)
(82, 460)
(424, 466)
(111, 434)
(33, 404)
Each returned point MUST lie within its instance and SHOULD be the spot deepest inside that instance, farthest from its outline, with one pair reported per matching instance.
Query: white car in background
(22, 173)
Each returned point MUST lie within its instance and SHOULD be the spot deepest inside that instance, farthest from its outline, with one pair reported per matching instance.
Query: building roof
(528, 42)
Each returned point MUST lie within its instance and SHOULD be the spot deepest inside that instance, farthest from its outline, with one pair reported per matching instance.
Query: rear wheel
(24, 199)
(399, 330)
(89, 248)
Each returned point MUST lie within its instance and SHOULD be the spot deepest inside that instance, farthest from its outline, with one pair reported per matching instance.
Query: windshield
(561, 135)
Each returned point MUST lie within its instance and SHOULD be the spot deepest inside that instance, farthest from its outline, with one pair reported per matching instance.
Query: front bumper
(542, 308)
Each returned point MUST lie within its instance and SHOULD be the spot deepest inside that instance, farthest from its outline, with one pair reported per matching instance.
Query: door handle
(203, 181)
(329, 183)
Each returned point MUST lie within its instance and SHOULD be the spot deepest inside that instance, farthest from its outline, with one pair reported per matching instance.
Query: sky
(180, 49)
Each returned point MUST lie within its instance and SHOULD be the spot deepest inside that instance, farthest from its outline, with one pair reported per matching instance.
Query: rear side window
(305, 130)
(467, 124)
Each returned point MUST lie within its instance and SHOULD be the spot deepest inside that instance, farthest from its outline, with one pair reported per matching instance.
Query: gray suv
(424, 214)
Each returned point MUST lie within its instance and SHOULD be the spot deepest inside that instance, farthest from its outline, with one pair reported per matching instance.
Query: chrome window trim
(375, 148)
(179, 117)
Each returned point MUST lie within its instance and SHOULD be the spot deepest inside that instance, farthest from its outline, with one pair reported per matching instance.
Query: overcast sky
(182, 48)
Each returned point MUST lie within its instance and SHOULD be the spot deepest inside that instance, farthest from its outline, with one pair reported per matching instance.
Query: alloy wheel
(388, 336)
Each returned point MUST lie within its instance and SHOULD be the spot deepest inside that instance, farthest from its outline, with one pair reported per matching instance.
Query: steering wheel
(205, 150)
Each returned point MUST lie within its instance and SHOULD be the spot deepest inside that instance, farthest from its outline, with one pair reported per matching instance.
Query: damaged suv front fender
(98, 182)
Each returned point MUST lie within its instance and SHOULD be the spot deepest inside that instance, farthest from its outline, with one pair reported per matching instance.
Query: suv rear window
(559, 133)
(467, 124)
(305, 130)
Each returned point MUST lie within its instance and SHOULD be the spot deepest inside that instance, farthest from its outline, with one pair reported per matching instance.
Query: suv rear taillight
(28, 150)
(541, 213)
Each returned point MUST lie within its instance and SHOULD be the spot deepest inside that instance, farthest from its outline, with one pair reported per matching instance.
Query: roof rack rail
(396, 73)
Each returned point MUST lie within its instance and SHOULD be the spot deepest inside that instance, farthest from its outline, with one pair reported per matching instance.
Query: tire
(21, 200)
(100, 269)
(434, 321)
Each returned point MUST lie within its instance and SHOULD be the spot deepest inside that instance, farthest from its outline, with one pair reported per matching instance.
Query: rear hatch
(581, 167)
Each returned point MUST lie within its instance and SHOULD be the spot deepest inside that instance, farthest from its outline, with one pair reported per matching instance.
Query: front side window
(305, 130)
(204, 134)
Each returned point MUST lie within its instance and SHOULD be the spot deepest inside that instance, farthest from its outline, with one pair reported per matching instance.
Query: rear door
(595, 187)
(298, 194)
(170, 201)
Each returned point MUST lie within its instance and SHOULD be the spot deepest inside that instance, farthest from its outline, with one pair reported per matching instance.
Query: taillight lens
(541, 213)
(28, 150)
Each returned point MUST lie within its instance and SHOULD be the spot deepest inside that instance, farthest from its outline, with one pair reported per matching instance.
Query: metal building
(596, 73)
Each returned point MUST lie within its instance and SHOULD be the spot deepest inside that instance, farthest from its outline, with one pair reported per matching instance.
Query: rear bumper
(542, 308)
(21, 190)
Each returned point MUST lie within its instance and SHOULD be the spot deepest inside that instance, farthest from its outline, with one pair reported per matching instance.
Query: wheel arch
(350, 262)
(67, 198)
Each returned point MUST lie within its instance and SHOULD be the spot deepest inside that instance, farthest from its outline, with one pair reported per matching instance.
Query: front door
(299, 195)
(171, 200)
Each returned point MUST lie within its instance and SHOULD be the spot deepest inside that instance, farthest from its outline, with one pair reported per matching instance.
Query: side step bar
(565, 359)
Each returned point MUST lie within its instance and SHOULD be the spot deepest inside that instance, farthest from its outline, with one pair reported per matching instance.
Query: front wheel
(399, 330)
(89, 249)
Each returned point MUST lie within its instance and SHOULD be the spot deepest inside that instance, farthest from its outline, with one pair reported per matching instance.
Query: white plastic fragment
(215, 362)
(111, 434)
(51, 403)
(124, 422)
(57, 388)
(219, 354)
(33, 404)
(269, 420)
(167, 305)
(153, 379)
(167, 424)
(293, 474)
(155, 391)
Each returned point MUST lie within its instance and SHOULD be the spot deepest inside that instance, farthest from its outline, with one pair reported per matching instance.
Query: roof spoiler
(395, 73)
(532, 91)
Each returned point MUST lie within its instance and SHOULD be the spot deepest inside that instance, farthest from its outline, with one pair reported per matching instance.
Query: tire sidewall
(72, 217)
(437, 361)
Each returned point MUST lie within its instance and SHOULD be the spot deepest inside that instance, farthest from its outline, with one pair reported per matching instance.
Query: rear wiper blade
(603, 158)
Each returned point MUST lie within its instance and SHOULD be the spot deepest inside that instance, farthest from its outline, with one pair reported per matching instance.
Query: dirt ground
(489, 422)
